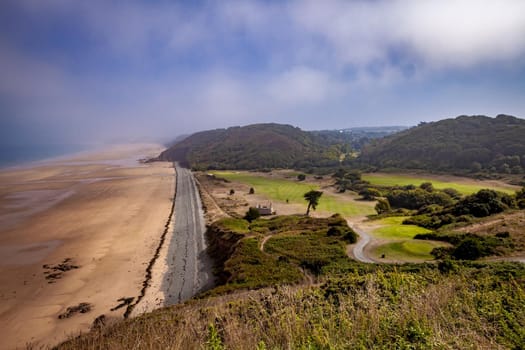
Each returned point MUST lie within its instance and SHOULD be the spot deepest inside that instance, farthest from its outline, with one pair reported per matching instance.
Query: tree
(342, 184)
(252, 214)
(232, 192)
(369, 193)
(312, 197)
(427, 186)
(382, 206)
(252, 191)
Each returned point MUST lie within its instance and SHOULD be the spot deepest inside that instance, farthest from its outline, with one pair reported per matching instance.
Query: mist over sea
(13, 155)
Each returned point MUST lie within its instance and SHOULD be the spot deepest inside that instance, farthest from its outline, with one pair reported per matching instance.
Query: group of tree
(484, 203)
(467, 144)
(349, 179)
(265, 146)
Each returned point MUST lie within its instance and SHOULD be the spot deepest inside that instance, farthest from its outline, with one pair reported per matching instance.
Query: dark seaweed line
(148, 276)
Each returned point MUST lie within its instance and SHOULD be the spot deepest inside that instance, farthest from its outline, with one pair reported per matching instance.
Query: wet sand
(103, 211)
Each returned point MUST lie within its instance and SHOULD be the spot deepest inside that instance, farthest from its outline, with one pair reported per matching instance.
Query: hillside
(465, 144)
(286, 283)
(262, 146)
(249, 147)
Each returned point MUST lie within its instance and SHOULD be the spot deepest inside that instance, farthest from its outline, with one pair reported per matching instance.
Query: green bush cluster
(467, 246)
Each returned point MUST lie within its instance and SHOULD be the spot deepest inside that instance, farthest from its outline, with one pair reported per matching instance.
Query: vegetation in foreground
(281, 250)
(451, 306)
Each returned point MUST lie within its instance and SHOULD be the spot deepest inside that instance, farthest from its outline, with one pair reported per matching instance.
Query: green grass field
(382, 179)
(409, 250)
(393, 228)
(293, 191)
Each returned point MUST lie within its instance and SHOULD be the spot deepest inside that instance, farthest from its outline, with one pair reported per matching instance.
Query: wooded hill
(251, 147)
(261, 146)
(465, 144)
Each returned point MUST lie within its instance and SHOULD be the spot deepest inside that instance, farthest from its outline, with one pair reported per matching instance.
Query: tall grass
(475, 308)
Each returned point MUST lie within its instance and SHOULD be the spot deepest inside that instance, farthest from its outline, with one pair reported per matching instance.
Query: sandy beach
(77, 230)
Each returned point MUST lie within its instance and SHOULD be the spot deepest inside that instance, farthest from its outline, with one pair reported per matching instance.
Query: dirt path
(263, 242)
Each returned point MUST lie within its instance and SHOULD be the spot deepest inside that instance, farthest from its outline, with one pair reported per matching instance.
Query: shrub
(469, 249)
(452, 192)
(350, 236)
(447, 266)
(382, 206)
(427, 186)
(334, 231)
(483, 203)
(252, 214)
(369, 194)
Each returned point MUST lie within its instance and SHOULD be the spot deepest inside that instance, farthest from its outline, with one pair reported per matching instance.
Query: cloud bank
(104, 70)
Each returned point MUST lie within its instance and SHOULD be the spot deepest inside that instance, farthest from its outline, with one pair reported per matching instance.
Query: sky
(103, 71)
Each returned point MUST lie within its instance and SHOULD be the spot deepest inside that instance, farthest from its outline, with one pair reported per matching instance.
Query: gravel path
(190, 267)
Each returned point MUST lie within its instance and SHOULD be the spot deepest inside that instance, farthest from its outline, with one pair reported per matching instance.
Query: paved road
(191, 268)
(364, 239)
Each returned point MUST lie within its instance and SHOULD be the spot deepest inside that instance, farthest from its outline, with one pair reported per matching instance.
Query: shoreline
(77, 230)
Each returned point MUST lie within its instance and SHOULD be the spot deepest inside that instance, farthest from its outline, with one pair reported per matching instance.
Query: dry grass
(513, 223)
(477, 308)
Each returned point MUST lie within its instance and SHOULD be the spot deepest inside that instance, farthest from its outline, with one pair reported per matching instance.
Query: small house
(265, 209)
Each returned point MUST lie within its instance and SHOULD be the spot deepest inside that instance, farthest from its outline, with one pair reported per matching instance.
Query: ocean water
(14, 155)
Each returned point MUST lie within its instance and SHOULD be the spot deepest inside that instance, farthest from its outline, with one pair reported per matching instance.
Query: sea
(19, 155)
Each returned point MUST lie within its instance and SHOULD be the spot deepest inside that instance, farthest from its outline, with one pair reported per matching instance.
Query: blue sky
(116, 71)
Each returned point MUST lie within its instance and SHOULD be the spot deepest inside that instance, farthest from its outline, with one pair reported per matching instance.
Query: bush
(382, 206)
(301, 177)
(483, 203)
(350, 236)
(369, 194)
(469, 249)
(334, 231)
(427, 186)
(417, 198)
(252, 214)
(447, 266)
(452, 192)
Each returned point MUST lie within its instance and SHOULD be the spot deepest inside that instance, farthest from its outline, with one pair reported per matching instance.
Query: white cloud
(441, 33)
(302, 85)
(307, 57)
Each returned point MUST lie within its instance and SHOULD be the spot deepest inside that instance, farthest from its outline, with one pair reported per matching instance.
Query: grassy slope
(402, 247)
(293, 191)
(378, 307)
(393, 228)
(408, 250)
(383, 179)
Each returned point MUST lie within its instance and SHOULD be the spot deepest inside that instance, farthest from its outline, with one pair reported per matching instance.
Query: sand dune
(103, 211)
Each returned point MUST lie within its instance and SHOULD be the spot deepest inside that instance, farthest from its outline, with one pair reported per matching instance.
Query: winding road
(358, 251)
(191, 267)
